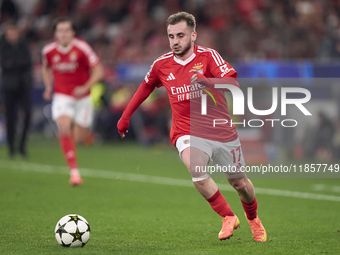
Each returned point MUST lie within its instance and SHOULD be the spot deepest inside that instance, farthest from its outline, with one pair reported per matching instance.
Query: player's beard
(184, 51)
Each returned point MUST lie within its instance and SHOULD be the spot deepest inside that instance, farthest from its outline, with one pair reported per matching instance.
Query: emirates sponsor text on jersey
(187, 92)
(66, 67)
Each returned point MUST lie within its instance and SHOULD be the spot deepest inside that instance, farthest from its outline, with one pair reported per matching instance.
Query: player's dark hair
(182, 16)
(63, 19)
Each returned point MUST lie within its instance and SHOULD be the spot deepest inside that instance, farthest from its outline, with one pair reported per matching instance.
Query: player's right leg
(68, 148)
(242, 185)
(83, 118)
(62, 113)
(81, 135)
(194, 158)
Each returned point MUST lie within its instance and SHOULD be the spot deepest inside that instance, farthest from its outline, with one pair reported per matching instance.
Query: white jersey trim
(88, 51)
(185, 62)
(216, 56)
(167, 55)
(63, 49)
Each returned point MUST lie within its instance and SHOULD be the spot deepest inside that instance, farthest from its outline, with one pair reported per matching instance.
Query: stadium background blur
(260, 38)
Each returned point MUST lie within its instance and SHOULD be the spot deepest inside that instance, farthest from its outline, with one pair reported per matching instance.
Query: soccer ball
(72, 230)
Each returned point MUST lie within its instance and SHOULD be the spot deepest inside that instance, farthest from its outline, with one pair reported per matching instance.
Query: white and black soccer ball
(72, 230)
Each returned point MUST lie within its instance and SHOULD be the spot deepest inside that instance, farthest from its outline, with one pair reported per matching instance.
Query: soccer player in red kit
(178, 71)
(74, 67)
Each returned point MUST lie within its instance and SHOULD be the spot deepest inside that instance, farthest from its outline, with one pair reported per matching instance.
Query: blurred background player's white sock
(74, 171)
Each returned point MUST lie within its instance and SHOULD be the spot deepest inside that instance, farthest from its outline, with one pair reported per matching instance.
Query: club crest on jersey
(73, 56)
(198, 67)
(56, 58)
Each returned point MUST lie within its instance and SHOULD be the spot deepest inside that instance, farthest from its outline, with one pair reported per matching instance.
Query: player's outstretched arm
(141, 94)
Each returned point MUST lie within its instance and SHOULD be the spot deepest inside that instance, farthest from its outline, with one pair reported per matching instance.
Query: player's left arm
(96, 75)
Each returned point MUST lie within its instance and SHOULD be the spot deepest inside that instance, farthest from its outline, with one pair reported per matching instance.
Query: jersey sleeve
(219, 68)
(90, 55)
(151, 78)
(44, 59)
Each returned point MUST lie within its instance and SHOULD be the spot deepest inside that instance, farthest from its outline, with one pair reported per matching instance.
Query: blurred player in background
(16, 85)
(75, 68)
(175, 70)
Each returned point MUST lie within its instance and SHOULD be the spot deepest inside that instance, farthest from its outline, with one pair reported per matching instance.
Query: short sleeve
(151, 78)
(89, 53)
(219, 68)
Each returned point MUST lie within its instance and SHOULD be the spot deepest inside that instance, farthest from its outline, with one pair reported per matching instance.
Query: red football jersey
(71, 65)
(174, 75)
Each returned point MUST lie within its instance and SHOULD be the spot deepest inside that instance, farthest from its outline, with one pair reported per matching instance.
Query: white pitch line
(324, 187)
(96, 173)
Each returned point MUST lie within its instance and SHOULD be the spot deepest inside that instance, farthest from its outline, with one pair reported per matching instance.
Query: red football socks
(220, 205)
(250, 209)
(69, 151)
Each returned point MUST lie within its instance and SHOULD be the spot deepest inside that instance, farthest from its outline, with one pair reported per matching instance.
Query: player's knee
(238, 184)
(196, 169)
(64, 129)
(64, 132)
(198, 173)
(200, 179)
(79, 141)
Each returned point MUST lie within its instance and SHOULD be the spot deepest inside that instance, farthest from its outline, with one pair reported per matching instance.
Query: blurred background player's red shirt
(71, 65)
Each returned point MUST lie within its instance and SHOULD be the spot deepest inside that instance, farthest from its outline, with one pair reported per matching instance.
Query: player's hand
(123, 125)
(193, 78)
(198, 75)
(47, 95)
(80, 91)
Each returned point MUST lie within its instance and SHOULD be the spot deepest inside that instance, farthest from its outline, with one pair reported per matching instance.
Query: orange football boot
(76, 180)
(257, 230)
(229, 224)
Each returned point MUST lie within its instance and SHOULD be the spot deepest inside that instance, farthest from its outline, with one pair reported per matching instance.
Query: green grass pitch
(140, 201)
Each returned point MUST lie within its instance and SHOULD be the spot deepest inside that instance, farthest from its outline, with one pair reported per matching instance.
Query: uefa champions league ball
(72, 231)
